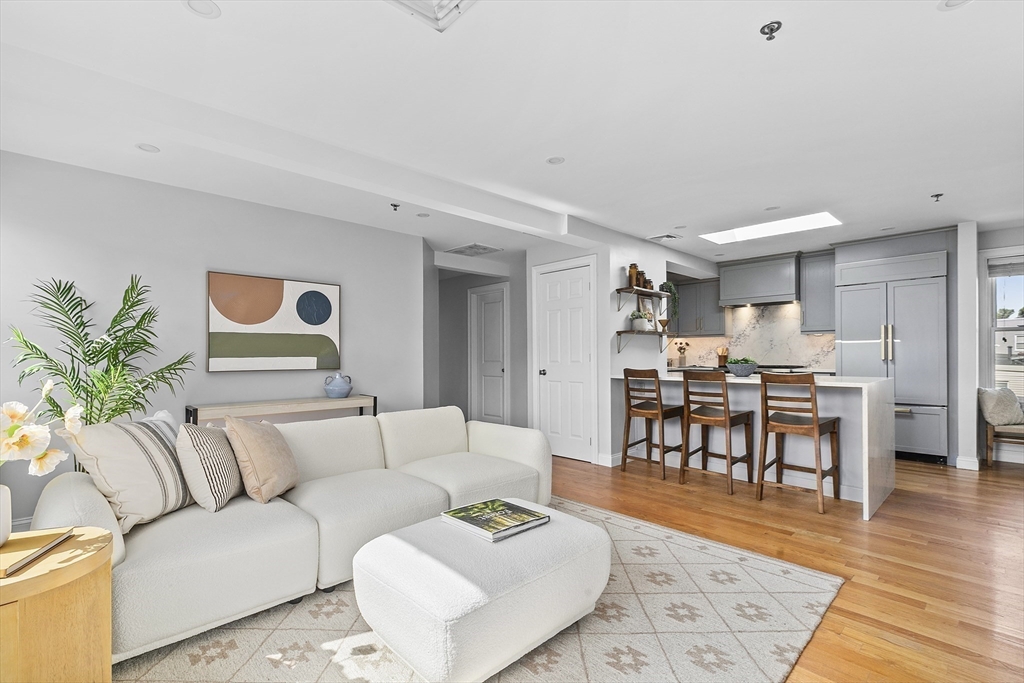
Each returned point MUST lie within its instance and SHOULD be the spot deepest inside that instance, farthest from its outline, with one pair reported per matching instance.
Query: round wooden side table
(55, 613)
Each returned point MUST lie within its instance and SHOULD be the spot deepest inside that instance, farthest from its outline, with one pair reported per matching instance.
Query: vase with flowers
(25, 439)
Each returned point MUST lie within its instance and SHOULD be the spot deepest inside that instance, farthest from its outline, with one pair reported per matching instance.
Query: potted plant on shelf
(641, 320)
(741, 367)
(673, 300)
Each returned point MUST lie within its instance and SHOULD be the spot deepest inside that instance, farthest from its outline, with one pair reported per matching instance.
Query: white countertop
(819, 380)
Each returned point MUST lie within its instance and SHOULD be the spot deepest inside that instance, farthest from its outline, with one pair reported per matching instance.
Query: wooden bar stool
(639, 403)
(712, 410)
(796, 415)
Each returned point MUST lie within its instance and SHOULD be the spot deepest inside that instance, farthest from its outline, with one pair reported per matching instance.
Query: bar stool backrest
(706, 395)
(807, 405)
(637, 390)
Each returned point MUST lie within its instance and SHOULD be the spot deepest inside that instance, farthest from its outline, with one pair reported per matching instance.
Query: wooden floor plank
(935, 581)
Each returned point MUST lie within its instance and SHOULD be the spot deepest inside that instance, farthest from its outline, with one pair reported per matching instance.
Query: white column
(967, 344)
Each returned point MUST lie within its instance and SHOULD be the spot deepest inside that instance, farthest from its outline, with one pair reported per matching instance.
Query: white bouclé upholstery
(351, 509)
(323, 448)
(416, 434)
(471, 478)
(72, 499)
(457, 608)
(525, 446)
(192, 571)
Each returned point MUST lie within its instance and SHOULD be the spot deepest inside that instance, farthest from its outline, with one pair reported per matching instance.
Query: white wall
(97, 229)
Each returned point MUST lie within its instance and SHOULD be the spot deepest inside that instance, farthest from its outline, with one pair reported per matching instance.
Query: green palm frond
(104, 375)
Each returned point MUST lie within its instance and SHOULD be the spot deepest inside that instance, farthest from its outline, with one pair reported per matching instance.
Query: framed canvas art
(263, 323)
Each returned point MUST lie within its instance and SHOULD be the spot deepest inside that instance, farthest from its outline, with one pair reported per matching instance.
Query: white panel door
(564, 308)
(488, 354)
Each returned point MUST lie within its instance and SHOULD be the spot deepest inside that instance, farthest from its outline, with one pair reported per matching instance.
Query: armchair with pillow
(1004, 419)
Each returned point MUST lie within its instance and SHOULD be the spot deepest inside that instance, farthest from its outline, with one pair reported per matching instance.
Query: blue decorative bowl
(742, 369)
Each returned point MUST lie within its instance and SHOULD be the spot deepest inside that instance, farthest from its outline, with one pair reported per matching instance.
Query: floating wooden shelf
(662, 338)
(641, 293)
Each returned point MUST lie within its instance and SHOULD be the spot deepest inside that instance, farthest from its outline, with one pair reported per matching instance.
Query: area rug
(677, 608)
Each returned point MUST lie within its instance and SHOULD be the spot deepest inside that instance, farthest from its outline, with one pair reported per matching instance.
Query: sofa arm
(526, 446)
(71, 499)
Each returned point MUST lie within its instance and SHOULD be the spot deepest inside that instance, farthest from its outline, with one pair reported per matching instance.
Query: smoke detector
(474, 249)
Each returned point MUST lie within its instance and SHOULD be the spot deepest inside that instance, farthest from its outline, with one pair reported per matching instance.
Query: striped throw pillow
(135, 466)
(209, 466)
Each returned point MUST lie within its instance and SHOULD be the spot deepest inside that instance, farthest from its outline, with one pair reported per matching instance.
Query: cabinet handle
(891, 357)
(903, 411)
(882, 340)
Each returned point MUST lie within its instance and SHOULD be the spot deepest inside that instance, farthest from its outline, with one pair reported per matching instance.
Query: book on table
(494, 519)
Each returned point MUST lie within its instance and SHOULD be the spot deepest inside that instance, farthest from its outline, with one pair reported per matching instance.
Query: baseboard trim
(967, 463)
(21, 524)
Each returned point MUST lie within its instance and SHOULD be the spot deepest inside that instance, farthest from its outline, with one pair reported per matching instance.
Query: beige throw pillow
(267, 465)
(135, 465)
(1000, 406)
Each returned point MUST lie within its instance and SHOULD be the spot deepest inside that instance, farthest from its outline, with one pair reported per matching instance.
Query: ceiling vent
(667, 237)
(437, 14)
(473, 250)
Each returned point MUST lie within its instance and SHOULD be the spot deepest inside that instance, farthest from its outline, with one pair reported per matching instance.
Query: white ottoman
(457, 608)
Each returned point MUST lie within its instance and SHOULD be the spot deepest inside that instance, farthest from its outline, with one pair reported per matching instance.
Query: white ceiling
(668, 113)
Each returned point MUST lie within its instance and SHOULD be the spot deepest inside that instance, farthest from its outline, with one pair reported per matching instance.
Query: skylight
(785, 226)
(438, 14)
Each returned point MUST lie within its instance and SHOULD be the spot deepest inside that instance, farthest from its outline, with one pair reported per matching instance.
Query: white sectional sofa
(359, 478)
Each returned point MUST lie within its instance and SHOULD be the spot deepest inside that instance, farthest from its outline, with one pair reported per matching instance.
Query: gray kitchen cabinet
(699, 312)
(898, 329)
(817, 293)
(759, 281)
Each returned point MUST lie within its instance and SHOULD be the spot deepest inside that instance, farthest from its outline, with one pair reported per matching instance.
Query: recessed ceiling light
(152, 149)
(423, 215)
(207, 9)
(679, 227)
(891, 227)
(783, 227)
(948, 5)
(555, 161)
(772, 208)
(719, 254)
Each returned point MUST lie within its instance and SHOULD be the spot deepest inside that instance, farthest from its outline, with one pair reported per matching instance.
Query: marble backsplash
(768, 334)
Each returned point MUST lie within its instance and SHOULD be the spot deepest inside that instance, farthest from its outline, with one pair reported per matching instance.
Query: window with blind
(1006, 278)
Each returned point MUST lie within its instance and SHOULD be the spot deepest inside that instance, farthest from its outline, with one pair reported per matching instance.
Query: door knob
(543, 372)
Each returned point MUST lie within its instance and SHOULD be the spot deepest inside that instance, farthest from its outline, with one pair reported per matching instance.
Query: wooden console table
(293, 406)
(55, 613)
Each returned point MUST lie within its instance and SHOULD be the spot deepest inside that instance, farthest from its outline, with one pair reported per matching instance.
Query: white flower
(47, 388)
(13, 413)
(73, 419)
(46, 462)
(26, 442)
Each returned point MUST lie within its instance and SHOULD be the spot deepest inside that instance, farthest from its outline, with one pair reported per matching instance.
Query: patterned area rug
(677, 608)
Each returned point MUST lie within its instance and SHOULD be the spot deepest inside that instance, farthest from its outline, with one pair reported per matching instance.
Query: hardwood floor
(934, 582)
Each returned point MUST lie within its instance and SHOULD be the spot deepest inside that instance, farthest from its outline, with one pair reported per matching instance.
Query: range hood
(760, 281)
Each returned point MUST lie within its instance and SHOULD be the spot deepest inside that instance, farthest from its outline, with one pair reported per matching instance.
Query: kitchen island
(867, 447)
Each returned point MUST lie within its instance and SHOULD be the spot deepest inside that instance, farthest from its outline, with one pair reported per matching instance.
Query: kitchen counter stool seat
(708, 406)
(791, 414)
(640, 387)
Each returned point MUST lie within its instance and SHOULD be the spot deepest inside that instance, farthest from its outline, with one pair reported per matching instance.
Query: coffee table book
(495, 519)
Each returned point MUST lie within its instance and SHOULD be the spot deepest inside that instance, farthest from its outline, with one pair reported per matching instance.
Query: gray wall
(431, 339)
(995, 239)
(97, 229)
(921, 243)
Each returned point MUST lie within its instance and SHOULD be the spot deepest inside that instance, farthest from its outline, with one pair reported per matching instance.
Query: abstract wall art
(263, 323)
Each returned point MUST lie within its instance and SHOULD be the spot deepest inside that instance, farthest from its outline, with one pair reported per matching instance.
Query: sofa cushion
(209, 466)
(416, 434)
(135, 465)
(352, 509)
(192, 571)
(266, 462)
(471, 477)
(323, 448)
